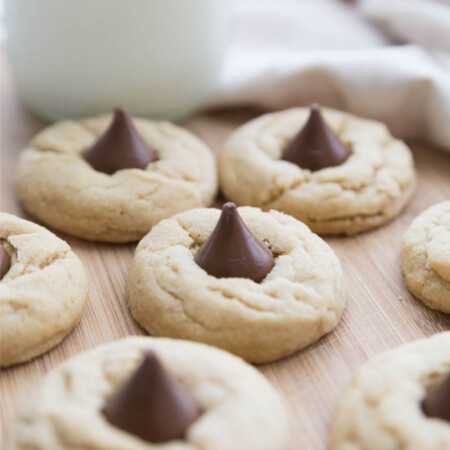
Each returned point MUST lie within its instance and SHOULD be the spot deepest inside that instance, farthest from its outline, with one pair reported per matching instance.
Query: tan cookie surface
(241, 411)
(59, 187)
(301, 299)
(381, 406)
(368, 189)
(42, 295)
(426, 257)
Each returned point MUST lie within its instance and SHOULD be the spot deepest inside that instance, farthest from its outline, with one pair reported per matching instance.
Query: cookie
(426, 257)
(79, 177)
(360, 179)
(382, 407)
(298, 301)
(43, 292)
(238, 409)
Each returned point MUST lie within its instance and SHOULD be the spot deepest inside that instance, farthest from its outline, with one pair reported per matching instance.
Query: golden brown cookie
(381, 408)
(239, 408)
(367, 190)
(57, 185)
(43, 293)
(426, 257)
(301, 299)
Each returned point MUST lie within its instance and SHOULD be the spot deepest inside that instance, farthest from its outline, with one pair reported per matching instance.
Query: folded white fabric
(426, 22)
(290, 53)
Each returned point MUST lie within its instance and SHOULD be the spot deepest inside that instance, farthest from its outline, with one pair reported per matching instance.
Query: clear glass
(157, 58)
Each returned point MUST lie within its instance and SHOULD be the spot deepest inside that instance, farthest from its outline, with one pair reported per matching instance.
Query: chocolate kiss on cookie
(5, 261)
(120, 147)
(316, 146)
(233, 251)
(437, 400)
(152, 404)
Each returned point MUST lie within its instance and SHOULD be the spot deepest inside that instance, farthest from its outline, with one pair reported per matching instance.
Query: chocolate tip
(315, 107)
(119, 110)
(229, 207)
(232, 251)
(149, 355)
(151, 404)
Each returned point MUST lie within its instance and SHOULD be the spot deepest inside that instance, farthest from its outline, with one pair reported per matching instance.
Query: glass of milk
(157, 58)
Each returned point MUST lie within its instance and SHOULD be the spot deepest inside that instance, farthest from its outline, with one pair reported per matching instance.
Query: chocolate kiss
(152, 404)
(120, 147)
(5, 262)
(437, 400)
(316, 146)
(233, 251)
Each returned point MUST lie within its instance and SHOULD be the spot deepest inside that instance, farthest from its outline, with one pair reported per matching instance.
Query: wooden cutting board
(381, 314)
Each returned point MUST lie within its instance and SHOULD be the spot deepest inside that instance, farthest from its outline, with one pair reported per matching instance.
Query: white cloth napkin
(294, 52)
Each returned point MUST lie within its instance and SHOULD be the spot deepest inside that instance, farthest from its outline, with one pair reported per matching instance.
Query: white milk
(158, 58)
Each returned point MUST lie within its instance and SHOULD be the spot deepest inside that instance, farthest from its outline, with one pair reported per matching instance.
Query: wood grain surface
(381, 314)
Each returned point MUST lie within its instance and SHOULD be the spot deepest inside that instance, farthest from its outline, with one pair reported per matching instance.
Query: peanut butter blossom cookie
(426, 257)
(43, 289)
(258, 284)
(112, 178)
(398, 400)
(149, 393)
(337, 173)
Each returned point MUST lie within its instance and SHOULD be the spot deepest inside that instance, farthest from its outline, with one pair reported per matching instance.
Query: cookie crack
(241, 301)
(32, 268)
(152, 168)
(426, 281)
(186, 229)
(179, 300)
(297, 183)
(281, 191)
(337, 218)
